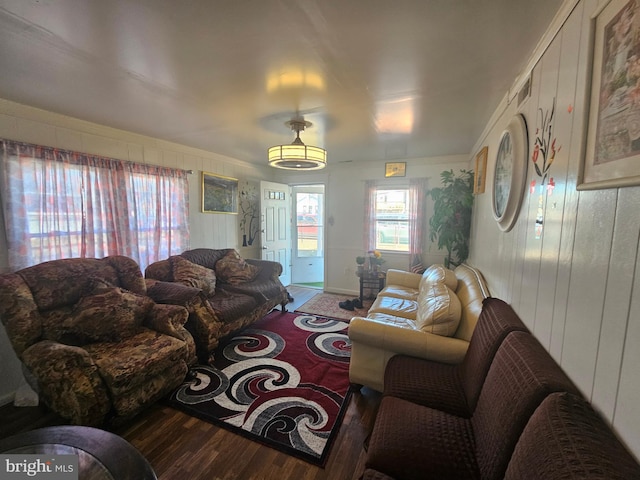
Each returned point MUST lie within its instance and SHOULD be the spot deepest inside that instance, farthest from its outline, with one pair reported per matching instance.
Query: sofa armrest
(168, 319)
(406, 341)
(171, 293)
(267, 269)
(69, 381)
(405, 279)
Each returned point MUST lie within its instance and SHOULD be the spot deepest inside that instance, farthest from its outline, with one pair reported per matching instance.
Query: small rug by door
(327, 304)
(283, 381)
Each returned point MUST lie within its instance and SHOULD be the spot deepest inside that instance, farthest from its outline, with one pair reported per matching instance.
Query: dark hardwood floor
(182, 447)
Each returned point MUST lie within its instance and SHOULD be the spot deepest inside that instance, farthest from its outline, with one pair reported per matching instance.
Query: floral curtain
(417, 220)
(369, 215)
(64, 204)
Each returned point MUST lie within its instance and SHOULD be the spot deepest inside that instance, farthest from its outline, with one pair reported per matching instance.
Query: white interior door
(275, 215)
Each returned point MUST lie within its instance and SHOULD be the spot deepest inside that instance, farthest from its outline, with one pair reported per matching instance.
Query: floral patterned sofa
(97, 348)
(222, 291)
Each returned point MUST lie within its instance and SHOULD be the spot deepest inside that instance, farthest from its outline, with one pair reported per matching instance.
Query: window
(309, 227)
(392, 219)
(61, 204)
(395, 218)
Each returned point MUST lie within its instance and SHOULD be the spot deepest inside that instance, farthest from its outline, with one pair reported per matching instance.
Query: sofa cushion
(394, 320)
(410, 441)
(136, 359)
(233, 269)
(423, 382)
(193, 275)
(400, 291)
(400, 307)
(108, 314)
(439, 310)
(438, 273)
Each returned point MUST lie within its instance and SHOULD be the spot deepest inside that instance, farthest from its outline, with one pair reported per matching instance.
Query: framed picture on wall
(480, 172)
(219, 194)
(395, 169)
(612, 151)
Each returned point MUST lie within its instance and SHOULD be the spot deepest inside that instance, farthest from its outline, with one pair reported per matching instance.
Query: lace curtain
(64, 204)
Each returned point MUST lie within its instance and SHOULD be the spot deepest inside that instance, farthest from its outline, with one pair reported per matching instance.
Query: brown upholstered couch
(222, 291)
(507, 411)
(96, 348)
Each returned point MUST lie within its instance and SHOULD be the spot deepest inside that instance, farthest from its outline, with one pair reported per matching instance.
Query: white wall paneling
(576, 286)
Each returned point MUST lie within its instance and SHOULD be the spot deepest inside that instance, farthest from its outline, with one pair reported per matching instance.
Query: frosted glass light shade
(297, 156)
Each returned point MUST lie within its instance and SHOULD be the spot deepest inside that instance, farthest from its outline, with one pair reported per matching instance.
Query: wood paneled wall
(577, 286)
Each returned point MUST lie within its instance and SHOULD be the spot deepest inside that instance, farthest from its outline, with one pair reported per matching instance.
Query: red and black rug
(284, 381)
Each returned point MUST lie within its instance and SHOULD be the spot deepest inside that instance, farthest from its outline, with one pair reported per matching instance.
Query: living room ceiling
(379, 79)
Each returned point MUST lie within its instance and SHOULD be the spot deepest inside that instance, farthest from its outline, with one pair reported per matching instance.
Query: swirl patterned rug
(283, 381)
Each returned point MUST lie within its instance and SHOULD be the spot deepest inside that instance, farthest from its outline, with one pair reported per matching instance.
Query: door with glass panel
(308, 235)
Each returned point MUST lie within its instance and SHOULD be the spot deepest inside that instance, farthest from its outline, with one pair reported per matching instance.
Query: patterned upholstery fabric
(233, 269)
(454, 388)
(193, 275)
(565, 438)
(108, 314)
(80, 344)
(231, 307)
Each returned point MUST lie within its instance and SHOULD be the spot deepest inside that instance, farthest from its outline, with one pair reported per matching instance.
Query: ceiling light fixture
(297, 155)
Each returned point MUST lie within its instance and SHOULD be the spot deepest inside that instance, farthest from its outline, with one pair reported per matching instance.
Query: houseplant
(451, 220)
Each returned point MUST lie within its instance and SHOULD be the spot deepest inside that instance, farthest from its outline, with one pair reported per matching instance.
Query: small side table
(372, 280)
(101, 455)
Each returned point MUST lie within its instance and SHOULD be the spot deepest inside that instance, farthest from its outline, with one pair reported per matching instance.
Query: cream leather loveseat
(429, 316)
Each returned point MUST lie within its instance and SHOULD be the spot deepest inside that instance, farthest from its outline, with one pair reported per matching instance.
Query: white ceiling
(379, 79)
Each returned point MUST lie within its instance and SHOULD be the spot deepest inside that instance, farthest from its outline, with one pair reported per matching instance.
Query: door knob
(265, 248)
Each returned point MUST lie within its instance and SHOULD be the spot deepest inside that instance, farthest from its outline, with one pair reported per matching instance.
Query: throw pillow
(439, 310)
(233, 269)
(109, 314)
(193, 275)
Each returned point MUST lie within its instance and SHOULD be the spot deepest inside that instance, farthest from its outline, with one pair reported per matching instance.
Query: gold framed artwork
(395, 169)
(612, 150)
(480, 172)
(219, 194)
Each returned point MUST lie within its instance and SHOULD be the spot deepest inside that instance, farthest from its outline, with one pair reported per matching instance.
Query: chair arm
(69, 381)
(407, 341)
(402, 278)
(168, 319)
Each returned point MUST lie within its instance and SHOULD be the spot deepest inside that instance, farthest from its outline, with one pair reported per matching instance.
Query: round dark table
(102, 455)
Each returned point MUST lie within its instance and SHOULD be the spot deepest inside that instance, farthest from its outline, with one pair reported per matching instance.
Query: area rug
(284, 381)
(327, 304)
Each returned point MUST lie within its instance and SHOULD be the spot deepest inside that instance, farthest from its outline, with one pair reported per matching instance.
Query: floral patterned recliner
(99, 349)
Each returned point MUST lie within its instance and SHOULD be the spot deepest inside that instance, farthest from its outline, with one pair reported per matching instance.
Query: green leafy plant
(451, 220)
(360, 260)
